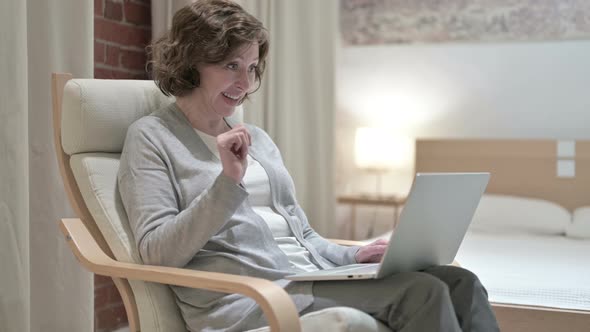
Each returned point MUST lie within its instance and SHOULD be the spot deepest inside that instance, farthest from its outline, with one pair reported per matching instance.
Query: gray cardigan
(184, 212)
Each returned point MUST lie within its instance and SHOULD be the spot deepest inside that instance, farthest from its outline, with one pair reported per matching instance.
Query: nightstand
(353, 200)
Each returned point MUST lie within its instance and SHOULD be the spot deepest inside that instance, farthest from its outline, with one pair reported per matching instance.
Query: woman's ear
(192, 76)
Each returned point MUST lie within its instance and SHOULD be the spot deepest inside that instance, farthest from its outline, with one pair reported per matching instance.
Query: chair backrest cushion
(96, 113)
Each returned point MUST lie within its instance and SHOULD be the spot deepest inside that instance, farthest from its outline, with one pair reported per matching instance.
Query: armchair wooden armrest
(276, 304)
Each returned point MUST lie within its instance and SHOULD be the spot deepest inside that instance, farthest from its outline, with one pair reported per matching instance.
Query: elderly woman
(207, 194)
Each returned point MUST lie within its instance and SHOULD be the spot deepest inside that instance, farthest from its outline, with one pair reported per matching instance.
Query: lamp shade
(379, 149)
(371, 149)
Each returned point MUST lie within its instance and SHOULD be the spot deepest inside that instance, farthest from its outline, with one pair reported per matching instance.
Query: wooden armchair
(90, 119)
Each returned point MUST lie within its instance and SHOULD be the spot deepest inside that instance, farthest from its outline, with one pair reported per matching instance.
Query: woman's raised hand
(233, 151)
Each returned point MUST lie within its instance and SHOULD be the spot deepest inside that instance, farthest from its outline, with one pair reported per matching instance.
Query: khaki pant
(441, 298)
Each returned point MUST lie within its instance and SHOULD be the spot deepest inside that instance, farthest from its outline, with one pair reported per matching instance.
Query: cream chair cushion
(337, 319)
(95, 117)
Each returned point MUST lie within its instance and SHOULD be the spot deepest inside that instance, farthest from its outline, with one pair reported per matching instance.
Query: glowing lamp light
(373, 149)
(379, 150)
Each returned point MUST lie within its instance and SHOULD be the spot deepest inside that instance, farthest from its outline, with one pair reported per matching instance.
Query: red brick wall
(122, 29)
(109, 312)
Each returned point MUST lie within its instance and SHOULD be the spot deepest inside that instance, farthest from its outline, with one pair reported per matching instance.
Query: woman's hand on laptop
(372, 252)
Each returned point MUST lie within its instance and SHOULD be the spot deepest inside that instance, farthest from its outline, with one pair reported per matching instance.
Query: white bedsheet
(551, 271)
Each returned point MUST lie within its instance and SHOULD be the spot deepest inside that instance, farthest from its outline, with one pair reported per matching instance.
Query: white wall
(485, 90)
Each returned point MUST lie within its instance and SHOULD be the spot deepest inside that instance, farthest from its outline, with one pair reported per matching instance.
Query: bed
(530, 238)
(525, 278)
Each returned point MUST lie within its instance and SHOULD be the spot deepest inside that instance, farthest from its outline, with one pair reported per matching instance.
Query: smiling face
(223, 86)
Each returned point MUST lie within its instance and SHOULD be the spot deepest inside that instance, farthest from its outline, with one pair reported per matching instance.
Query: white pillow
(511, 214)
(580, 227)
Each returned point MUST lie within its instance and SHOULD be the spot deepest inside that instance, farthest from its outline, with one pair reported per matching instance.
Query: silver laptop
(431, 227)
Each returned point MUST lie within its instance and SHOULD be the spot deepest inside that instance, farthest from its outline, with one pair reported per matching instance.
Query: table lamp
(375, 152)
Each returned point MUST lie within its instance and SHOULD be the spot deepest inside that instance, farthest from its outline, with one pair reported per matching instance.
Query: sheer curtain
(162, 12)
(296, 102)
(42, 287)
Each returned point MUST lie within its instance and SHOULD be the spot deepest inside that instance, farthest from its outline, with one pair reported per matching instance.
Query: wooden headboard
(525, 168)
